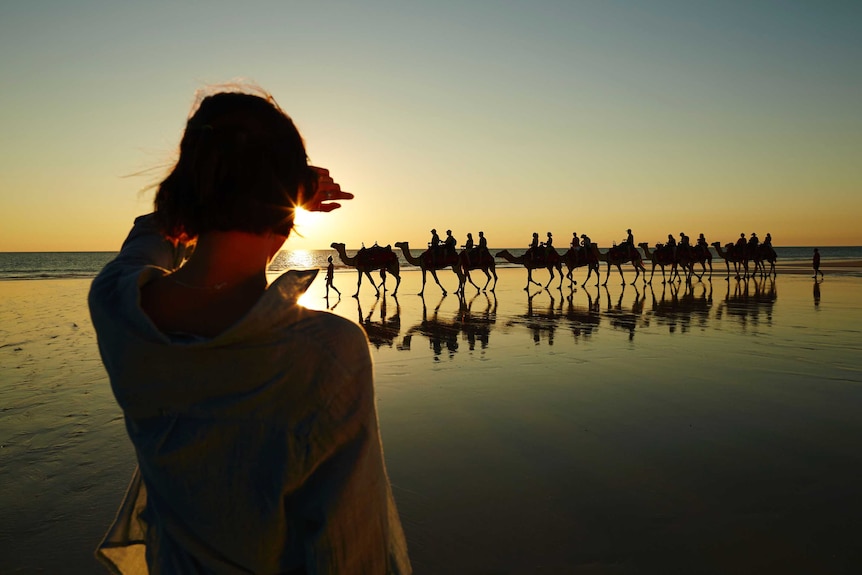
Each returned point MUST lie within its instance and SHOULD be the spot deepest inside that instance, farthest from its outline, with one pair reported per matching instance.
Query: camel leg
(622, 277)
(397, 283)
(358, 283)
(371, 279)
(422, 291)
(436, 279)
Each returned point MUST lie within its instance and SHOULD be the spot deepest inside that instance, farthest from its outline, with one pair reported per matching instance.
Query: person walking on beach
(330, 273)
(253, 418)
(816, 264)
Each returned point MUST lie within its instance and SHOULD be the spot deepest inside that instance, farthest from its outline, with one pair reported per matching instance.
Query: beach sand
(601, 430)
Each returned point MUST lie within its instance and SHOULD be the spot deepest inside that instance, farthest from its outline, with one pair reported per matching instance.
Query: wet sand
(601, 430)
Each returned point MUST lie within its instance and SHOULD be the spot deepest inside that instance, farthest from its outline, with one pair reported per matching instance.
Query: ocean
(48, 265)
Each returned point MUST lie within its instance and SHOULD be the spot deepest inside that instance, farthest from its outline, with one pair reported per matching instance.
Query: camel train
(677, 263)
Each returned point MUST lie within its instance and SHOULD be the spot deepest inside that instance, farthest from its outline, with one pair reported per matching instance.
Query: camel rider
(752, 246)
(434, 246)
(576, 242)
(671, 243)
(767, 241)
(753, 242)
(450, 243)
(468, 247)
(549, 245)
(629, 242)
(740, 246)
(483, 243)
(586, 245)
(435, 240)
(685, 243)
(534, 247)
(701, 241)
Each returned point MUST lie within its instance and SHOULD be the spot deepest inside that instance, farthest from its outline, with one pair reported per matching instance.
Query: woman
(253, 418)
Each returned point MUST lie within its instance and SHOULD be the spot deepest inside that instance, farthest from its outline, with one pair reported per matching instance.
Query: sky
(510, 117)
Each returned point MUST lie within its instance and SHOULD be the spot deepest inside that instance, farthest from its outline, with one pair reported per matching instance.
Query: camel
(545, 260)
(730, 254)
(575, 258)
(478, 259)
(660, 257)
(428, 263)
(767, 254)
(368, 259)
(618, 255)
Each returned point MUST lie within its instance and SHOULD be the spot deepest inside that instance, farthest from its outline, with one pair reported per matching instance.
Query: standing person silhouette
(253, 418)
(330, 273)
(816, 264)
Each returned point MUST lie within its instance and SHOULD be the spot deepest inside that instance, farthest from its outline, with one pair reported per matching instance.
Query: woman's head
(242, 167)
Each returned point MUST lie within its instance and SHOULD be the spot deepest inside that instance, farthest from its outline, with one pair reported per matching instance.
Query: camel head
(337, 246)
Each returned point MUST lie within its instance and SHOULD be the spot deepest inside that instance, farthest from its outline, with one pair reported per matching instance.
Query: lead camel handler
(253, 418)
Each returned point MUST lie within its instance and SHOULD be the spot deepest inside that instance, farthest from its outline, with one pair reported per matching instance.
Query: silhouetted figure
(549, 245)
(767, 241)
(434, 246)
(671, 243)
(330, 273)
(435, 240)
(483, 243)
(816, 263)
(534, 247)
(576, 242)
(450, 244)
(701, 241)
(468, 245)
(586, 245)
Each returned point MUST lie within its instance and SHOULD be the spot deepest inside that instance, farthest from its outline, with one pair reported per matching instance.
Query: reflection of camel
(384, 331)
(730, 253)
(544, 259)
(750, 299)
(618, 255)
(539, 322)
(624, 319)
(478, 259)
(431, 262)
(582, 320)
(368, 259)
(444, 332)
(576, 258)
(682, 309)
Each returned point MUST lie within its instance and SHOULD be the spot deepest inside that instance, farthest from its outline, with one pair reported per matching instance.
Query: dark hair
(242, 167)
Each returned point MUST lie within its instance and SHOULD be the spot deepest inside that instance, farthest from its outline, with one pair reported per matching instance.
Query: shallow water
(711, 429)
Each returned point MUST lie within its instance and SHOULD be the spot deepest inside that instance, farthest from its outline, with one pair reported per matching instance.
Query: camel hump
(379, 255)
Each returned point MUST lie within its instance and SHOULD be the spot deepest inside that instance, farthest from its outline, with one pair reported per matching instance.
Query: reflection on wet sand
(627, 320)
(678, 307)
(749, 301)
(384, 331)
(542, 322)
(682, 310)
(443, 333)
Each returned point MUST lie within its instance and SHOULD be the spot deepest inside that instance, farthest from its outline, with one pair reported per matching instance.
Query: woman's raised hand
(328, 193)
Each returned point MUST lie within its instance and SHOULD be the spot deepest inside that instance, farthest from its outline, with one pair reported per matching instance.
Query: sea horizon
(83, 264)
